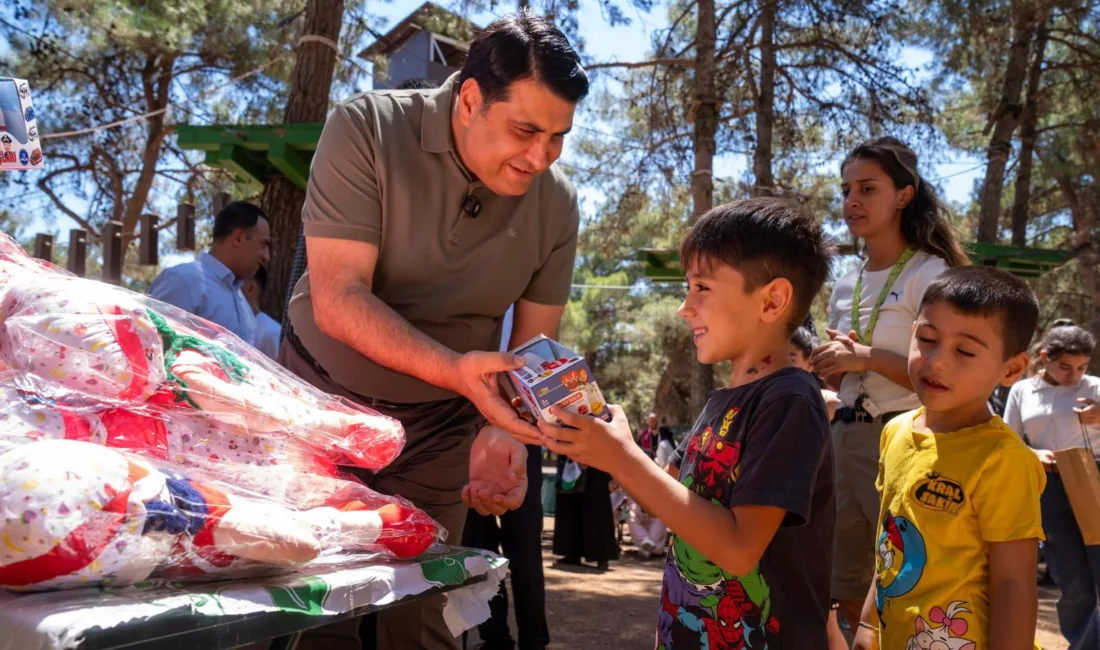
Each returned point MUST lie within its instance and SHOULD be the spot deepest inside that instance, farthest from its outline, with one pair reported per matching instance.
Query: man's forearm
(708, 527)
(373, 329)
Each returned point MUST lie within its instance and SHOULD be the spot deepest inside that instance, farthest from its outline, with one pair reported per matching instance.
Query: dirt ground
(617, 609)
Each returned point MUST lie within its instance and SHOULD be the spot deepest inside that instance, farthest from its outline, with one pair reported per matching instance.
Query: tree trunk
(308, 103)
(156, 81)
(1004, 121)
(702, 179)
(1028, 125)
(765, 109)
(673, 395)
(1085, 217)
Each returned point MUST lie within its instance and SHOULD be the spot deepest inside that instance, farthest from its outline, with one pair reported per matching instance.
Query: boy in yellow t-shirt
(959, 517)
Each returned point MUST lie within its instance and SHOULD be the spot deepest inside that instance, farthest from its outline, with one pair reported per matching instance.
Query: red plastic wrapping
(137, 440)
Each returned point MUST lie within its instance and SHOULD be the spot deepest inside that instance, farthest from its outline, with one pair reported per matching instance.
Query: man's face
(252, 249)
(508, 143)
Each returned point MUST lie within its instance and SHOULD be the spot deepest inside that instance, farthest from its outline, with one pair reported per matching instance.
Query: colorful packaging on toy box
(554, 375)
(20, 147)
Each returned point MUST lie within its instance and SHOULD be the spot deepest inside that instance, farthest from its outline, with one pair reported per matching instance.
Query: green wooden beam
(290, 162)
(255, 153)
(248, 171)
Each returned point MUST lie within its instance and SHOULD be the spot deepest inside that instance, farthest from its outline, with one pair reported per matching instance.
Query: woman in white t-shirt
(1058, 409)
(907, 242)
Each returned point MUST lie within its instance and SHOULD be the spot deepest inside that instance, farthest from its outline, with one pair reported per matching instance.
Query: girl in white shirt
(1058, 409)
(908, 242)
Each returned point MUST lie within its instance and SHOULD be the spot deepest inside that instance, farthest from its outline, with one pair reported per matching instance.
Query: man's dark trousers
(517, 536)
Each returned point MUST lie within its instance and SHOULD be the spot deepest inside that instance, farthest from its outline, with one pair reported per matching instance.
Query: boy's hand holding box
(556, 375)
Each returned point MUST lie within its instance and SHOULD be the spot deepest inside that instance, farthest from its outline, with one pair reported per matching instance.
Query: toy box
(556, 375)
(20, 147)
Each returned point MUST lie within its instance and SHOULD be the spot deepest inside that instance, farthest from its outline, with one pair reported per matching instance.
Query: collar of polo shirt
(435, 129)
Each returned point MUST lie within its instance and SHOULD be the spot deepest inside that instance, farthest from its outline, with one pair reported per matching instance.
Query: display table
(230, 614)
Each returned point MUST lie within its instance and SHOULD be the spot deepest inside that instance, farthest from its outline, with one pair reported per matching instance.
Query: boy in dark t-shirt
(753, 513)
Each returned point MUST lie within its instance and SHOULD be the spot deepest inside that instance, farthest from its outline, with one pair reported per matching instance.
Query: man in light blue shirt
(269, 333)
(210, 286)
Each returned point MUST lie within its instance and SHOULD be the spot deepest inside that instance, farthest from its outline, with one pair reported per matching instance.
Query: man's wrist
(453, 378)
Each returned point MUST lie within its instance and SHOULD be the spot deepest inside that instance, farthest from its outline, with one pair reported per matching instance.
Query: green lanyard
(894, 272)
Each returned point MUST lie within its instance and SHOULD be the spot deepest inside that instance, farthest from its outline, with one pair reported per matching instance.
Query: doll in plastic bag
(137, 440)
(79, 514)
(77, 341)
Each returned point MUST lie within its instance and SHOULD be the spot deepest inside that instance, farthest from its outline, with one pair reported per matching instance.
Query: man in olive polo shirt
(428, 213)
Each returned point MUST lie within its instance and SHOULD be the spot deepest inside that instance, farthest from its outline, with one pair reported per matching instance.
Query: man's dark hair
(524, 46)
(989, 292)
(764, 239)
(238, 215)
(261, 278)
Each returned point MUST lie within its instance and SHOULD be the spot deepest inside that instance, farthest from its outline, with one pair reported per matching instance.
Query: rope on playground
(308, 38)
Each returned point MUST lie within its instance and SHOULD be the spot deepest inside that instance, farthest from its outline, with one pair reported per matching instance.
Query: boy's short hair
(764, 239)
(987, 291)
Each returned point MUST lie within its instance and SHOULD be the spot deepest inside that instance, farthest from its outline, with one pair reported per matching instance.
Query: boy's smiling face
(957, 359)
(722, 315)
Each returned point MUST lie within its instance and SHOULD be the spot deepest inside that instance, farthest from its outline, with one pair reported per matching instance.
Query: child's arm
(866, 635)
(732, 538)
(1013, 598)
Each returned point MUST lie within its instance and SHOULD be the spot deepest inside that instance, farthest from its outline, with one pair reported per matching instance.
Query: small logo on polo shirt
(512, 233)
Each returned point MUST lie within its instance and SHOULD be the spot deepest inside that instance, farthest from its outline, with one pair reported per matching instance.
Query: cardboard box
(556, 375)
(1077, 467)
(20, 147)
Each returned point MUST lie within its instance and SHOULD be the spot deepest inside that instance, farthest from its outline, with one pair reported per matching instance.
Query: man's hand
(591, 441)
(1046, 457)
(840, 355)
(498, 473)
(1089, 411)
(477, 381)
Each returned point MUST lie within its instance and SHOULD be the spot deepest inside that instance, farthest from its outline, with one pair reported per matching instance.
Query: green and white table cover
(64, 619)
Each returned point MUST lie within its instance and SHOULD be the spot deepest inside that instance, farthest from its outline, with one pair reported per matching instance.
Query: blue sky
(956, 175)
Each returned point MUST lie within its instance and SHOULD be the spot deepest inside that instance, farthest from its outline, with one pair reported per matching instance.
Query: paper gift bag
(1077, 467)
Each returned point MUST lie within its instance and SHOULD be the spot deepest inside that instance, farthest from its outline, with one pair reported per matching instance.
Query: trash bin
(549, 490)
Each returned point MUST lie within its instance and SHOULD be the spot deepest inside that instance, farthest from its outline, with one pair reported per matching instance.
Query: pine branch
(687, 63)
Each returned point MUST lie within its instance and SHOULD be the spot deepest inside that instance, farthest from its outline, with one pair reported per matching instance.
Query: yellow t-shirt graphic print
(945, 499)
